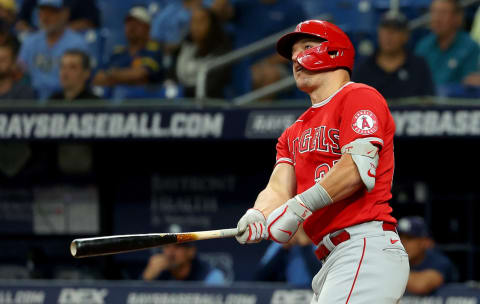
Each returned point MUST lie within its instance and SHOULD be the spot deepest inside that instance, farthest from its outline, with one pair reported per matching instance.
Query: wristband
(316, 197)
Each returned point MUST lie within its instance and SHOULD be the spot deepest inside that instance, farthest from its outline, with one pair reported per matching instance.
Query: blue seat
(111, 39)
(385, 4)
(96, 42)
(161, 91)
(350, 15)
(457, 90)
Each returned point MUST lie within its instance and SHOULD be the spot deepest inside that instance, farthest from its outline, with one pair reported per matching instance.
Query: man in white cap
(137, 63)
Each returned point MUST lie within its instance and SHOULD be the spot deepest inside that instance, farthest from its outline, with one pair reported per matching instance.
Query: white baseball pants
(370, 268)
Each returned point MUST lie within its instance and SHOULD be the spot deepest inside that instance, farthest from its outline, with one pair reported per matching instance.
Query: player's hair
(83, 56)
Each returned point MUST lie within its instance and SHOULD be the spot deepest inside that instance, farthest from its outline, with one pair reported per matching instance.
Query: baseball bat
(105, 245)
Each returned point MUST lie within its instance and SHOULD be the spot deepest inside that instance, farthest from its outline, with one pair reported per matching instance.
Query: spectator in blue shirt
(41, 51)
(137, 63)
(393, 70)
(84, 15)
(293, 263)
(429, 268)
(449, 51)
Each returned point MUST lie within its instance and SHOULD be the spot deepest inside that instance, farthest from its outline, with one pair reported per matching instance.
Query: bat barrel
(96, 246)
(89, 247)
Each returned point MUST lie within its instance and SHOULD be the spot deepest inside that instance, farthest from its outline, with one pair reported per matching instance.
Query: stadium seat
(350, 15)
(96, 42)
(457, 90)
(16, 272)
(167, 90)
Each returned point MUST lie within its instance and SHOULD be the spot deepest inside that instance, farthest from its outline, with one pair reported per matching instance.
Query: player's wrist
(316, 197)
(299, 208)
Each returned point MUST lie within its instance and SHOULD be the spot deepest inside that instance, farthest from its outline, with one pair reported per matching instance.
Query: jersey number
(323, 169)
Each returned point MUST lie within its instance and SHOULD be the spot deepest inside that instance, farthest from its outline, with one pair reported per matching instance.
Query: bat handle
(229, 232)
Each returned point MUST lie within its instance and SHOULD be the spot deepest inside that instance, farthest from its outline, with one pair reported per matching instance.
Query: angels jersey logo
(364, 122)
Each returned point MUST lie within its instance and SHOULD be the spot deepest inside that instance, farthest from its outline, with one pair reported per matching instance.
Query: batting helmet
(336, 52)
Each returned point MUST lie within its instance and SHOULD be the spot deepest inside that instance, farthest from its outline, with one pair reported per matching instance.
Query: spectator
(294, 263)
(171, 24)
(205, 41)
(253, 20)
(393, 70)
(41, 52)
(449, 51)
(429, 268)
(140, 62)
(75, 71)
(84, 15)
(10, 86)
(7, 19)
(8, 11)
(180, 262)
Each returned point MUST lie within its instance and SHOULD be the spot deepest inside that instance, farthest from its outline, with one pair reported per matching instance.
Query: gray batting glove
(252, 227)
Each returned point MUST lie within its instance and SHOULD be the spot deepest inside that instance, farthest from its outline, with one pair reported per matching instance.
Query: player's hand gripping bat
(88, 247)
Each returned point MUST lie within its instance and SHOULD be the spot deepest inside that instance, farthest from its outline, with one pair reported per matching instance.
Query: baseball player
(333, 174)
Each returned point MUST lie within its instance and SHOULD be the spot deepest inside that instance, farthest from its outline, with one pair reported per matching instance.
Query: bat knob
(73, 248)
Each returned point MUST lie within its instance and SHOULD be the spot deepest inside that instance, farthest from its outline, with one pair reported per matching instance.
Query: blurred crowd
(58, 49)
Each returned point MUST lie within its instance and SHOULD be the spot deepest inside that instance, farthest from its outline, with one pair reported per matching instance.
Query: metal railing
(232, 57)
(263, 44)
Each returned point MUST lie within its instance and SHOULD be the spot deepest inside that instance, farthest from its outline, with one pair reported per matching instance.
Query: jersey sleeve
(284, 154)
(365, 114)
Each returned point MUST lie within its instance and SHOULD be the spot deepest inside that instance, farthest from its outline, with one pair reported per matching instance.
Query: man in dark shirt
(74, 75)
(138, 63)
(393, 70)
(179, 262)
(429, 268)
(10, 86)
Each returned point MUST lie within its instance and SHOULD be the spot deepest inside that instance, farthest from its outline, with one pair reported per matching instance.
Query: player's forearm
(339, 183)
(342, 180)
(269, 199)
(280, 188)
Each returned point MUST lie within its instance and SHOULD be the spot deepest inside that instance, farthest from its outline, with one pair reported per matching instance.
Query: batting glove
(252, 227)
(284, 221)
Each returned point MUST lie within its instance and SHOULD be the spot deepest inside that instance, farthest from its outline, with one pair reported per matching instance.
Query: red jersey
(313, 145)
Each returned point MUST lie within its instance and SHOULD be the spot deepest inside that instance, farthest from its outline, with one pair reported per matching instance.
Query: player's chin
(302, 84)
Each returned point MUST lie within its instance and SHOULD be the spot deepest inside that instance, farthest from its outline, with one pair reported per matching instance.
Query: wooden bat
(89, 247)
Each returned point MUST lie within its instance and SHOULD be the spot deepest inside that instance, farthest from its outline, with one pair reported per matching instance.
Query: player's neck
(328, 85)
